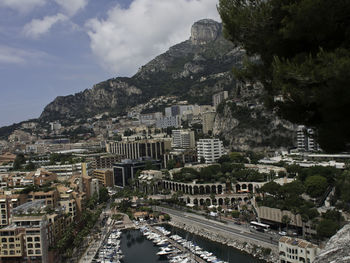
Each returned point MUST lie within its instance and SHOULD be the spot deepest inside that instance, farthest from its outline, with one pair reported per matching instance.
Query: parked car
(282, 233)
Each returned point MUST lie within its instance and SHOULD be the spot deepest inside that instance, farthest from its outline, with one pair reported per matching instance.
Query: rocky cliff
(192, 70)
(337, 248)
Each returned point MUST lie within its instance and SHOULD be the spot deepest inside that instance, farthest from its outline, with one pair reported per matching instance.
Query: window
(11, 239)
(30, 245)
(4, 240)
(30, 251)
(37, 245)
(29, 239)
(36, 238)
(38, 251)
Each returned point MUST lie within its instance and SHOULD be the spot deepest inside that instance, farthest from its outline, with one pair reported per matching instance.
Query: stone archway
(196, 190)
(219, 189)
(207, 189)
(190, 190)
(238, 188)
(213, 189)
(208, 201)
(195, 201)
(201, 190)
(250, 188)
(221, 201)
(201, 201)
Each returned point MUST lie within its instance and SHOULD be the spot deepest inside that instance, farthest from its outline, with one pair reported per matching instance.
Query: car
(238, 223)
(282, 233)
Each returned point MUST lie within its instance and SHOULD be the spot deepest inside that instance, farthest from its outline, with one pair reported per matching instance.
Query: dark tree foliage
(303, 51)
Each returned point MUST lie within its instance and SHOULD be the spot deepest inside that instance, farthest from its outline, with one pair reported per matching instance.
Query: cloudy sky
(50, 48)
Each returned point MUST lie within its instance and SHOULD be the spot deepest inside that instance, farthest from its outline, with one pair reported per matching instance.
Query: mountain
(192, 70)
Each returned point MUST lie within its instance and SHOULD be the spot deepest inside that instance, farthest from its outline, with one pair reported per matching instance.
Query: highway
(235, 230)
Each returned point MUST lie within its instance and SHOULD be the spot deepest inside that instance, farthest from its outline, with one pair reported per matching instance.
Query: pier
(177, 245)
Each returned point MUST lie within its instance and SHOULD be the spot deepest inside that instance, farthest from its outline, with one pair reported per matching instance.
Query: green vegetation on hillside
(304, 51)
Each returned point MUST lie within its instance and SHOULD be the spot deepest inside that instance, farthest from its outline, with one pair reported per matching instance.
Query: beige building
(208, 119)
(104, 177)
(294, 250)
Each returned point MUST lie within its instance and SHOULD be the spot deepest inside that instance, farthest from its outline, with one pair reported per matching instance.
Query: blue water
(137, 249)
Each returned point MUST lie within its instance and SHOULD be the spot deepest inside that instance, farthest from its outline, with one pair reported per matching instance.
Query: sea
(138, 249)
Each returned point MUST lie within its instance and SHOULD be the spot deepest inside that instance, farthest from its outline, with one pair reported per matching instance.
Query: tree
(327, 228)
(299, 50)
(103, 195)
(20, 159)
(286, 220)
(316, 185)
(171, 164)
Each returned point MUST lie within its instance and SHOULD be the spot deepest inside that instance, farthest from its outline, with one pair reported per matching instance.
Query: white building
(294, 250)
(210, 149)
(165, 122)
(219, 97)
(183, 139)
(306, 139)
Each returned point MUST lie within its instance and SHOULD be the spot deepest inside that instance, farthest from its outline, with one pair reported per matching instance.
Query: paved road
(228, 228)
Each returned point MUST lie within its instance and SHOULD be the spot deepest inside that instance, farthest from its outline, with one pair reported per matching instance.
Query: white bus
(258, 225)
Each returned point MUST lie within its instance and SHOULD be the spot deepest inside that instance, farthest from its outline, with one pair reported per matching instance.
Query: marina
(163, 244)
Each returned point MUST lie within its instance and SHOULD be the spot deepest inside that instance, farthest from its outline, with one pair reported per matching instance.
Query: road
(235, 230)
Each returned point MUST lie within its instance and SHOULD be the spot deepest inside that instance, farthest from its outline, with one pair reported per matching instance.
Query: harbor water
(138, 249)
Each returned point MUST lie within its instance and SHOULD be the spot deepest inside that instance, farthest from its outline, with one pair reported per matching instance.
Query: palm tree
(285, 220)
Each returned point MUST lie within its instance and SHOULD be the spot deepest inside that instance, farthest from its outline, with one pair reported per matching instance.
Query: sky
(51, 48)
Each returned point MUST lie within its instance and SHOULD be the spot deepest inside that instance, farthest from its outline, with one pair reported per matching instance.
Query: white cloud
(128, 38)
(10, 55)
(22, 5)
(38, 27)
(72, 6)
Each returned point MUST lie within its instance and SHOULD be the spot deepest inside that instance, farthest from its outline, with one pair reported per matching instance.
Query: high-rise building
(183, 139)
(219, 97)
(153, 148)
(210, 150)
(126, 170)
(306, 140)
(208, 119)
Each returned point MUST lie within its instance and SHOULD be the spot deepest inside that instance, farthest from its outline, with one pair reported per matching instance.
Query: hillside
(192, 70)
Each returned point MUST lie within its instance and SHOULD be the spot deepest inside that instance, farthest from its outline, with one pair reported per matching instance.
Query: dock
(177, 245)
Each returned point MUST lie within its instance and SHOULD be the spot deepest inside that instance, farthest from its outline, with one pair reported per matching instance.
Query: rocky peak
(205, 31)
(337, 248)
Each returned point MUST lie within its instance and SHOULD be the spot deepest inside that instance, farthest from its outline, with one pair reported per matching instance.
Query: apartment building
(171, 121)
(210, 150)
(294, 250)
(183, 139)
(306, 139)
(153, 148)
